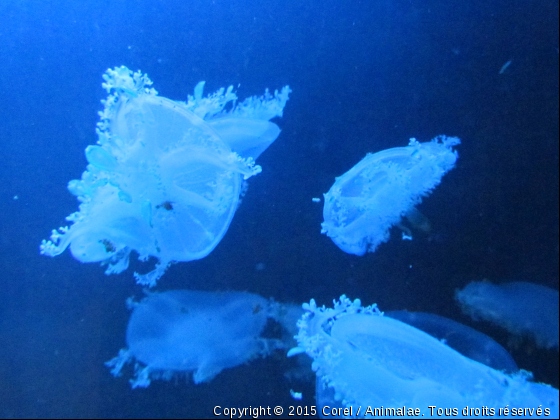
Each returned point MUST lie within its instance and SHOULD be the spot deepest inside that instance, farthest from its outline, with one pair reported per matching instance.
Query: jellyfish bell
(183, 331)
(179, 332)
(371, 360)
(378, 191)
(467, 341)
(166, 176)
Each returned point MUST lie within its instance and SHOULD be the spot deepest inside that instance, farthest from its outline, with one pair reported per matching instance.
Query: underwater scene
(278, 209)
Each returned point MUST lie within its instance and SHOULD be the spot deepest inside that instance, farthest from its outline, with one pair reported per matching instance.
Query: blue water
(366, 76)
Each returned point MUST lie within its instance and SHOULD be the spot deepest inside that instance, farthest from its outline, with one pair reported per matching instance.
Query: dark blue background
(366, 75)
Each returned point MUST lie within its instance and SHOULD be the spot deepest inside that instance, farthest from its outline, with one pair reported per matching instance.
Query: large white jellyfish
(367, 200)
(373, 362)
(524, 309)
(182, 331)
(165, 177)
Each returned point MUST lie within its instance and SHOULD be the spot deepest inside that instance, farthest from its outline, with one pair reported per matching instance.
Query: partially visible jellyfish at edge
(522, 308)
(166, 176)
(378, 191)
(364, 359)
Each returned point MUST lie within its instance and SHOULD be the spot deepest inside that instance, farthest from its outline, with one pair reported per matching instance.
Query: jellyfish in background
(376, 193)
(182, 331)
(524, 309)
(366, 359)
(166, 176)
(466, 340)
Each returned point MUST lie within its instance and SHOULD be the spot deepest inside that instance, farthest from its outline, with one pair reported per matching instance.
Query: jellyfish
(179, 332)
(466, 340)
(166, 176)
(523, 309)
(375, 194)
(373, 362)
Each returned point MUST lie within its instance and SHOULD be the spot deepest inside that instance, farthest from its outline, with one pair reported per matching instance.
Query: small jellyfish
(383, 187)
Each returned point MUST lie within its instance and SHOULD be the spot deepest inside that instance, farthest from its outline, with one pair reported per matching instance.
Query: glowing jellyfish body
(467, 341)
(370, 360)
(184, 331)
(166, 176)
(367, 200)
(524, 309)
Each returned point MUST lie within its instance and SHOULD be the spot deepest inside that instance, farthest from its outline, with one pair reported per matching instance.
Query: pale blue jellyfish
(377, 192)
(466, 340)
(179, 332)
(524, 309)
(166, 176)
(373, 362)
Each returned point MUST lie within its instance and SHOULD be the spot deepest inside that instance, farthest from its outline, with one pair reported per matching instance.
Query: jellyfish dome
(373, 362)
(166, 176)
(466, 340)
(183, 331)
(366, 201)
(522, 308)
